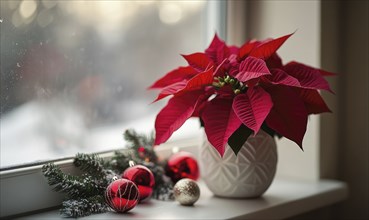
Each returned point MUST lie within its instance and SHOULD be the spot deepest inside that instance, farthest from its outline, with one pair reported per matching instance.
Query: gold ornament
(186, 192)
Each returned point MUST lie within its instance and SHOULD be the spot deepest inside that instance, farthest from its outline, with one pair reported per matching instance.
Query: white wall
(275, 19)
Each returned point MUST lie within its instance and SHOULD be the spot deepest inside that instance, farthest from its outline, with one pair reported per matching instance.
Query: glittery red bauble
(143, 178)
(122, 195)
(182, 165)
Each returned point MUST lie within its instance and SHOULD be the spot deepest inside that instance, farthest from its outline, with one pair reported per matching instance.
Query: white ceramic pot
(247, 175)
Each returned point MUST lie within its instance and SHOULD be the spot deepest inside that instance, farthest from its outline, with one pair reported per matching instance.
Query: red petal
(177, 75)
(198, 61)
(220, 122)
(288, 116)
(247, 48)
(253, 107)
(233, 65)
(233, 49)
(174, 114)
(279, 77)
(274, 61)
(202, 103)
(326, 73)
(314, 103)
(218, 50)
(200, 80)
(170, 90)
(309, 77)
(252, 68)
(266, 49)
(221, 68)
(216, 42)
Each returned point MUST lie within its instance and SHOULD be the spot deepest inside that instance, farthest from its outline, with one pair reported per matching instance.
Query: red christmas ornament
(142, 177)
(182, 165)
(122, 195)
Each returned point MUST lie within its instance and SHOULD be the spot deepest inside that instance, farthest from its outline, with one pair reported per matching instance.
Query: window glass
(74, 73)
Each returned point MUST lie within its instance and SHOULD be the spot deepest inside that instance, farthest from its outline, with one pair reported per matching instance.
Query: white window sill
(285, 198)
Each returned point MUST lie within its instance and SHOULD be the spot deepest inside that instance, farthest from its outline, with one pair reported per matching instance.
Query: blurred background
(74, 73)
(74, 76)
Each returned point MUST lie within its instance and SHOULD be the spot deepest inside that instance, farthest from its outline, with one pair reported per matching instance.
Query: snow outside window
(74, 73)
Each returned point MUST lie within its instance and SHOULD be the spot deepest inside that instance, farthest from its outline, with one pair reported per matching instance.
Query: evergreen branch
(74, 186)
(131, 137)
(53, 173)
(95, 167)
(142, 145)
(85, 194)
(119, 162)
(158, 172)
(147, 140)
(163, 188)
(138, 140)
(91, 164)
(77, 187)
(164, 191)
(109, 177)
(83, 207)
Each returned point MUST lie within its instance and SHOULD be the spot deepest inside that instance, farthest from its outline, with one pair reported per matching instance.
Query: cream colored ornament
(186, 192)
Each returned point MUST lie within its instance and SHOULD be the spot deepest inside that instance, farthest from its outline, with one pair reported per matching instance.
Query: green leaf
(238, 138)
(201, 122)
(270, 131)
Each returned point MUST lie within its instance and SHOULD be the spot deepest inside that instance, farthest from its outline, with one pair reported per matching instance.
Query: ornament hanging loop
(175, 150)
(131, 163)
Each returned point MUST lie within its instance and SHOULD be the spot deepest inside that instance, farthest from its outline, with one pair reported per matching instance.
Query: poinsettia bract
(236, 91)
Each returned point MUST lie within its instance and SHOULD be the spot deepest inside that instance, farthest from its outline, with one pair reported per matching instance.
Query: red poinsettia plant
(236, 91)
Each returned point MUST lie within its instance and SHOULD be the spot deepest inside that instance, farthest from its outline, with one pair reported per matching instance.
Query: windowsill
(284, 198)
